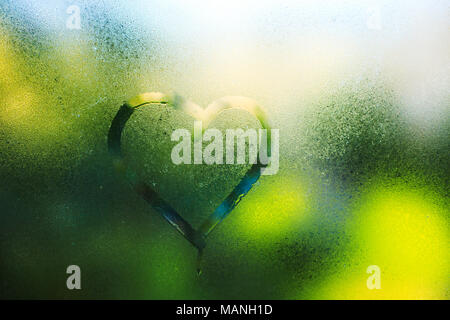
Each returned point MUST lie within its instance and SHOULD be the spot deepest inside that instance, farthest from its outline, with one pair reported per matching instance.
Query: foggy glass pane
(359, 91)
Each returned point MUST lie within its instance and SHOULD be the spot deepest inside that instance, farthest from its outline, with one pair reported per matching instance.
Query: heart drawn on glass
(196, 237)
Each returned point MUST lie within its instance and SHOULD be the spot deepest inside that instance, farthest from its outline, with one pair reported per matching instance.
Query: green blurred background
(359, 91)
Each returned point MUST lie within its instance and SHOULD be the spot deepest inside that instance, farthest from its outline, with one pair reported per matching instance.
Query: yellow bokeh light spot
(406, 232)
(274, 209)
(403, 230)
(353, 287)
(18, 104)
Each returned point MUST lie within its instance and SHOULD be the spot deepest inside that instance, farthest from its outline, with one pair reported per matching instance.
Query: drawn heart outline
(195, 237)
